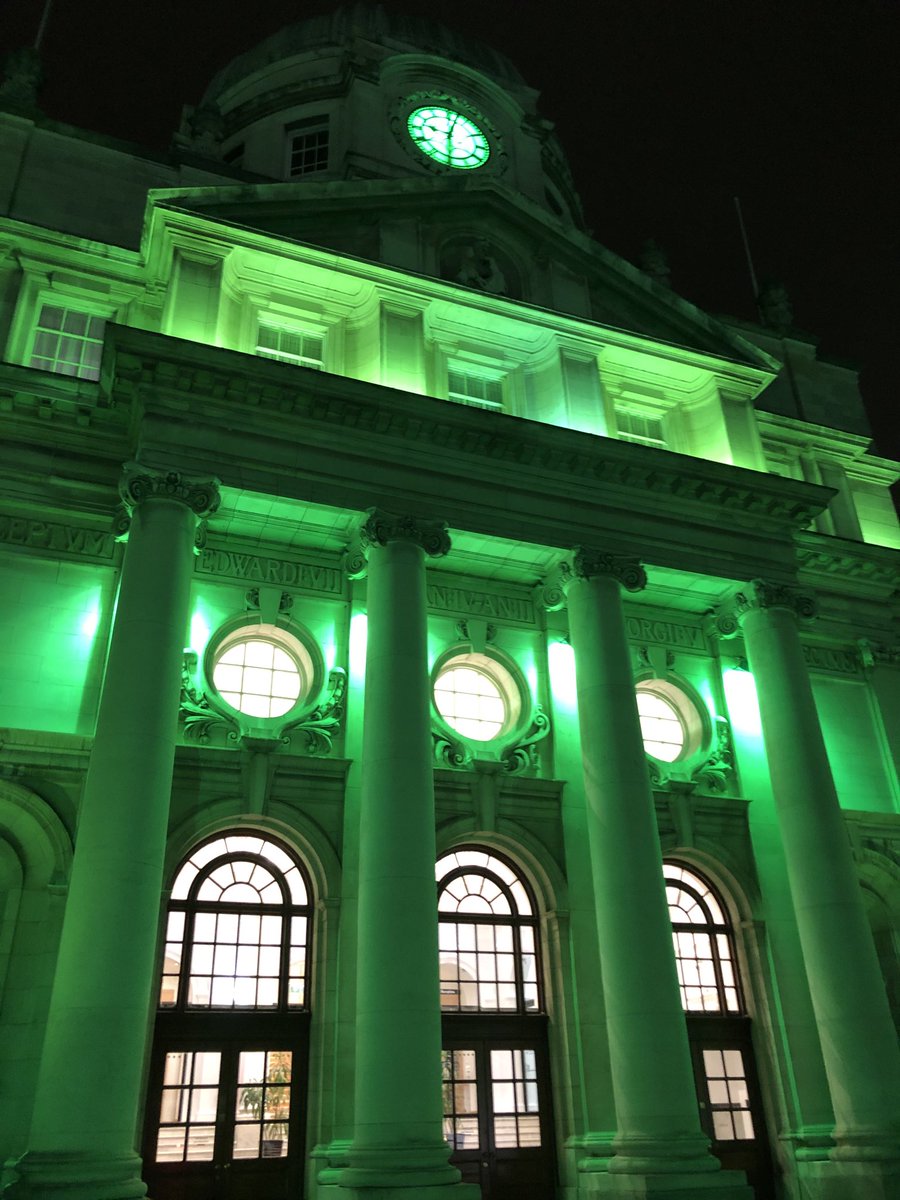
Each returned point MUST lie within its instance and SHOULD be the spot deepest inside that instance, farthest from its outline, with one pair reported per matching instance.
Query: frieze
(666, 633)
(470, 602)
(839, 660)
(70, 541)
(280, 572)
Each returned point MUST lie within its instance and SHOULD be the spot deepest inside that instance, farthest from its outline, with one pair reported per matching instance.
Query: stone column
(89, 1091)
(859, 1044)
(660, 1148)
(398, 1145)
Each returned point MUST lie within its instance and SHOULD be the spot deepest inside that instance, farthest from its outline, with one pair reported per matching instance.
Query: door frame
(231, 1031)
(483, 1032)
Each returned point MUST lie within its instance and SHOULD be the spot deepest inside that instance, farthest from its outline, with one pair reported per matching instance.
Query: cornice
(166, 375)
(837, 563)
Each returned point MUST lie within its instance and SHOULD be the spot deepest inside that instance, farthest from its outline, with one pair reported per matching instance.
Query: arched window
(237, 932)
(703, 942)
(487, 935)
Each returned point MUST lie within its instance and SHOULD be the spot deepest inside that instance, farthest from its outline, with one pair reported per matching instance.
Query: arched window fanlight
(487, 929)
(704, 945)
(238, 926)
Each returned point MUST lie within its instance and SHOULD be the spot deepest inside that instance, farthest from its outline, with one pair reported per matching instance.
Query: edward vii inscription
(282, 572)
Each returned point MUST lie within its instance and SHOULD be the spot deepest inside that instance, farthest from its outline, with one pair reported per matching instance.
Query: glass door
(224, 1118)
(496, 1110)
(730, 1106)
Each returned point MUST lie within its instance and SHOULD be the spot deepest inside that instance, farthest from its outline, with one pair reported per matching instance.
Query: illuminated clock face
(448, 137)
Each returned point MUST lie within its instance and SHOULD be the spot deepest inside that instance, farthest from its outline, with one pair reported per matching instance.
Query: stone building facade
(420, 623)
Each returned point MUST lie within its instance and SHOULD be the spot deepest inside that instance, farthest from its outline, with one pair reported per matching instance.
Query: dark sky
(667, 109)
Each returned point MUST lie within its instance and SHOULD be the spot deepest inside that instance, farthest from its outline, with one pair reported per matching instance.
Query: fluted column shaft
(398, 1140)
(656, 1103)
(91, 1074)
(859, 1044)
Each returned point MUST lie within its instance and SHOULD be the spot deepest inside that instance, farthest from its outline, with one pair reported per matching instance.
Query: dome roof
(373, 23)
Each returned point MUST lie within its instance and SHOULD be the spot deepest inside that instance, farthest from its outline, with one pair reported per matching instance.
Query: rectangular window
(474, 390)
(68, 342)
(308, 149)
(639, 427)
(289, 345)
(729, 1096)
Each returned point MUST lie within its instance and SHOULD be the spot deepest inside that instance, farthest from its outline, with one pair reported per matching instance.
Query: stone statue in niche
(479, 270)
(22, 78)
(479, 265)
(775, 307)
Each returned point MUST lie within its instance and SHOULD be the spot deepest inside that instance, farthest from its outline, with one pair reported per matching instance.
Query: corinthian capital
(760, 595)
(585, 563)
(382, 527)
(588, 564)
(139, 483)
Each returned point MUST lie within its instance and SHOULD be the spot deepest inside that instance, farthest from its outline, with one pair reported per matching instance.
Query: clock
(448, 138)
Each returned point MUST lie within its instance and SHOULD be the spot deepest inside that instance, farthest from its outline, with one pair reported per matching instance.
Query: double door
(497, 1115)
(729, 1097)
(224, 1117)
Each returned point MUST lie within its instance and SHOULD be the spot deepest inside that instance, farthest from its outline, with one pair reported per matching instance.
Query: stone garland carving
(517, 758)
(716, 774)
(523, 755)
(449, 751)
(317, 729)
(759, 594)
(314, 731)
(199, 722)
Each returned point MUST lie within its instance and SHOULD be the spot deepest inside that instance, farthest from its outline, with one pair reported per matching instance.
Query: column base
(843, 1180)
(447, 1191)
(43, 1175)
(399, 1167)
(723, 1185)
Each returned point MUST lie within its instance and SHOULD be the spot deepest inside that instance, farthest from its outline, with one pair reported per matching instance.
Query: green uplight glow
(359, 636)
(448, 137)
(743, 706)
(329, 651)
(200, 632)
(90, 621)
(561, 660)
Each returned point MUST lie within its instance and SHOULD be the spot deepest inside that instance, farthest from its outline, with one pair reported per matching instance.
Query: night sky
(667, 110)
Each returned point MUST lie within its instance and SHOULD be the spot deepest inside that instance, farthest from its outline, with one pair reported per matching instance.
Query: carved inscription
(670, 633)
(309, 577)
(831, 658)
(55, 538)
(480, 604)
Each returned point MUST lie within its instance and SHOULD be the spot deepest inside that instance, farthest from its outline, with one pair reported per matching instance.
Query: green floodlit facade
(449, 732)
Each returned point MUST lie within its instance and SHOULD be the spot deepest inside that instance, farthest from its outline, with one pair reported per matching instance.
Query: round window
(477, 696)
(671, 724)
(262, 671)
(448, 137)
